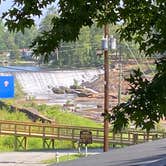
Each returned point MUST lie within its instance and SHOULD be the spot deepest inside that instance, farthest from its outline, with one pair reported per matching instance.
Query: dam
(38, 83)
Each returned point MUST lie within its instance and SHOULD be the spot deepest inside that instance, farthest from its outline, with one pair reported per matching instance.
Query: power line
(73, 46)
(135, 59)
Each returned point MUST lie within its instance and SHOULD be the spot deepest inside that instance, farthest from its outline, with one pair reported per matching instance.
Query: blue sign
(6, 86)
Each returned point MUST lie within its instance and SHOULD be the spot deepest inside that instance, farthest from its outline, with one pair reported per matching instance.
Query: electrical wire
(135, 59)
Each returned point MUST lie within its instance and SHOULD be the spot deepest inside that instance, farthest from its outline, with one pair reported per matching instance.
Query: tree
(23, 40)
(146, 105)
(2, 41)
(81, 53)
(143, 21)
(7, 43)
(12, 42)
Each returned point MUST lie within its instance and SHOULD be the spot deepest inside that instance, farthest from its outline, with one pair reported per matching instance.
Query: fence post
(44, 132)
(164, 135)
(135, 138)
(15, 143)
(113, 135)
(58, 133)
(15, 128)
(154, 137)
(29, 130)
(73, 133)
(121, 137)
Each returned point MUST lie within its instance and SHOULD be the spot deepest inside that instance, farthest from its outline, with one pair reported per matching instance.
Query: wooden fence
(53, 132)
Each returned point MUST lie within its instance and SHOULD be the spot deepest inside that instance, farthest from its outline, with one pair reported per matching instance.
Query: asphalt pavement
(36, 158)
(147, 154)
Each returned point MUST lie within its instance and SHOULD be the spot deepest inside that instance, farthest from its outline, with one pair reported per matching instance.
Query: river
(37, 83)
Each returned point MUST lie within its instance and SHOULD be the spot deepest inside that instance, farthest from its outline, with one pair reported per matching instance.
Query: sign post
(85, 138)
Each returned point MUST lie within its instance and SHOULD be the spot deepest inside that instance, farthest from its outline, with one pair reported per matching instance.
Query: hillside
(114, 84)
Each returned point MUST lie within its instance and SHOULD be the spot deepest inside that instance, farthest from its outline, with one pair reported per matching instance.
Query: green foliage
(76, 85)
(147, 103)
(81, 53)
(142, 21)
(20, 16)
(34, 143)
(64, 158)
(158, 85)
(23, 40)
(18, 91)
(54, 112)
(145, 23)
(6, 143)
(64, 117)
(7, 115)
(46, 23)
(7, 41)
(12, 42)
(73, 54)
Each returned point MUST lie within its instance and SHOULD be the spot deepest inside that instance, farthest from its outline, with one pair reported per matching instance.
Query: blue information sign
(6, 86)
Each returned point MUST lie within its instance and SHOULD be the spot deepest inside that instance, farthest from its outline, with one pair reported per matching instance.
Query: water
(37, 83)
(18, 68)
(61, 99)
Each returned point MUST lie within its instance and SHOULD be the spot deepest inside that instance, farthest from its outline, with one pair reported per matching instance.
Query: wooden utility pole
(120, 75)
(106, 92)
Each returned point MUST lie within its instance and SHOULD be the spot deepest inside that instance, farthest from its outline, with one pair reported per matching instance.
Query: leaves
(147, 103)
(142, 21)
(20, 16)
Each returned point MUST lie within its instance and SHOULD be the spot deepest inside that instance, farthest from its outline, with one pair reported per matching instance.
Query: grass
(18, 91)
(68, 118)
(53, 112)
(63, 158)
(15, 116)
(64, 117)
(7, 142)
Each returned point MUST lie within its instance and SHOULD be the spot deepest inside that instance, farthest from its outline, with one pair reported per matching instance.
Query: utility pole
(120, 75)
(106, 91)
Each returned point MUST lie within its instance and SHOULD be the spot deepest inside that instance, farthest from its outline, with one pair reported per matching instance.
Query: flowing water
(38, 83)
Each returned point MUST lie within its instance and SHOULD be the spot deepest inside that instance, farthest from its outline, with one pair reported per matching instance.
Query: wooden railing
(72, 133)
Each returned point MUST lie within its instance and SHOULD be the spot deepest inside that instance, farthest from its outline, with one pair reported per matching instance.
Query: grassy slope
(65, 117)
(53, 112)
(7, 142)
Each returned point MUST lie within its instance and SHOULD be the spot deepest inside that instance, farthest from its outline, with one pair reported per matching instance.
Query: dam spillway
(38, 83)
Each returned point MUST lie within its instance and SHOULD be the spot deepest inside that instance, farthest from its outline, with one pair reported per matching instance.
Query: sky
(5, 5)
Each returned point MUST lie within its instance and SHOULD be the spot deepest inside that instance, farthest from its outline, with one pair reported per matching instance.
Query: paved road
(24, 158)
(147, 154)
(34, 158)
